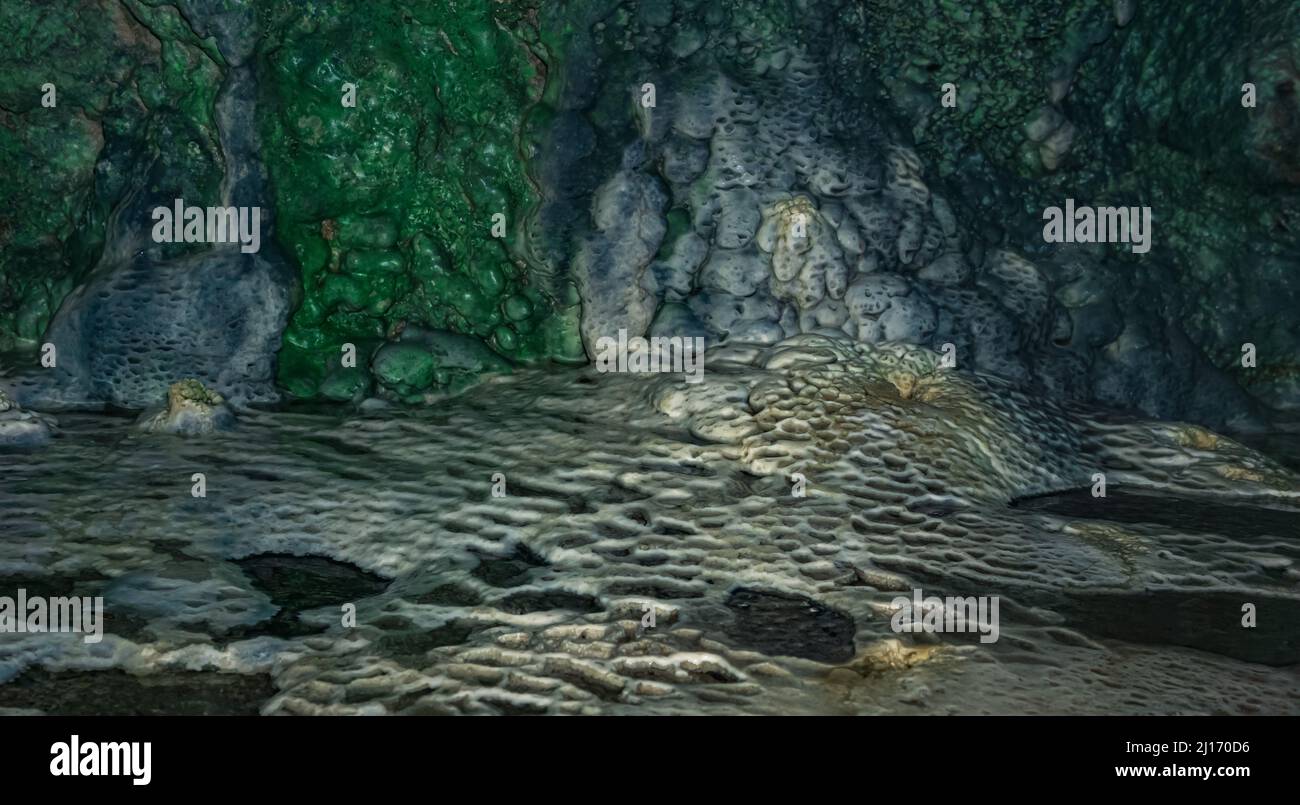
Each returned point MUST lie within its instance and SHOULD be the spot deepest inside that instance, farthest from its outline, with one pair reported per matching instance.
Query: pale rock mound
(19, 428)
(192, 410)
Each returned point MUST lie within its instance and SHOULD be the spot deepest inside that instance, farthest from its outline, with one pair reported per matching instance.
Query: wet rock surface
(692, 579)
(1210, 621)
(783, 175)
(787, 196)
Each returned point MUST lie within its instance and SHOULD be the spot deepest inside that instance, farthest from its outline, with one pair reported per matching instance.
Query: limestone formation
(191, 410)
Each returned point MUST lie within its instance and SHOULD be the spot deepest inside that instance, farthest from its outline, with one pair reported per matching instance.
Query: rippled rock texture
(406, 488)
(650, 552)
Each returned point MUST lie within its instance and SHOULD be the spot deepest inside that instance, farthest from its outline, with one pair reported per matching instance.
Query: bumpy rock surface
(796, 173)
(135, 89)
(788, 210)
(409, 208)
(629, 496)
(151, 312)
(576, 542)
(126, 333)
(922, 223)
(1087, 107)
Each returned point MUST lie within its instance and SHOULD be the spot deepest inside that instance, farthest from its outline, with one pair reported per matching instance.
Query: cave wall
(135, 100)
(923, 223)
(1128, 103)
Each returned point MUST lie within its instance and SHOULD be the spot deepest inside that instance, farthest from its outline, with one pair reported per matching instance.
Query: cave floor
(623, 499)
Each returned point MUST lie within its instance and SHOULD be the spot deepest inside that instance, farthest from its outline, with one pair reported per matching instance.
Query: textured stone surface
(150, 314)
(135, 92)
(764, 116)
(129, 333)
(784, 116)
(627, 495)
(388, 209)
(797, 196)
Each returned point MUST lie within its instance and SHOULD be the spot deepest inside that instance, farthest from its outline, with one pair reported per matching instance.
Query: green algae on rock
(389, 207)
(133, 88)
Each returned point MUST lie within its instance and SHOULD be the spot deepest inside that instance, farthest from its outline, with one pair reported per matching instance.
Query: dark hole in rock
(541, 601)
(512, 707)
(1208, 620)
(117, 693)
(936, 508)
(673, 531)
(298, 583)
(508, 571)
(451, 595)
(1183, 513)
(284, 624)
(656, 591)
(652, 560)
(790, 625)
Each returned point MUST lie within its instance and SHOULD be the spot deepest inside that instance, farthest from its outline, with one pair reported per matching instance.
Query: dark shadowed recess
(791, 625)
